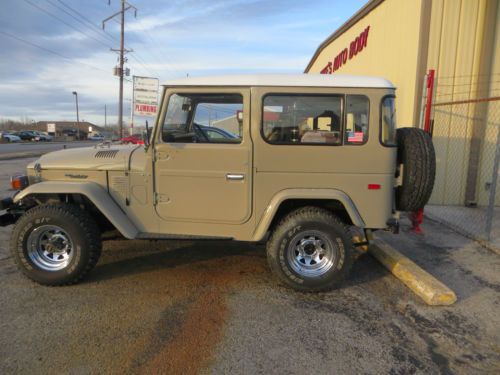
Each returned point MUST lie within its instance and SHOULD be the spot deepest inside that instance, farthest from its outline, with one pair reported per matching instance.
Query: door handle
(235, 177)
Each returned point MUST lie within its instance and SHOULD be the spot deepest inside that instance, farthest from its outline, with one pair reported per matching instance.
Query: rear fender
(313, 194)
(94, 192)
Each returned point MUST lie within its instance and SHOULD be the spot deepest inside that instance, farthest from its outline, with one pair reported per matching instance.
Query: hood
(114, 157)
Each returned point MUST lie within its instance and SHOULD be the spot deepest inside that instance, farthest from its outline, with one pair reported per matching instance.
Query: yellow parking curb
(423, 284)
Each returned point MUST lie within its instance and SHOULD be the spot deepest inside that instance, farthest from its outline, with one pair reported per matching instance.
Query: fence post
(417, 218)
(428, 105)
(423, 103)
(493, 188)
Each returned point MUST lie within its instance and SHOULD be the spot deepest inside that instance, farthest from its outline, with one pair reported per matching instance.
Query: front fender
(94, 192)
(283, 195)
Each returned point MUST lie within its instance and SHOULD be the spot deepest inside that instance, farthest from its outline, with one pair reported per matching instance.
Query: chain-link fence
(466, 195)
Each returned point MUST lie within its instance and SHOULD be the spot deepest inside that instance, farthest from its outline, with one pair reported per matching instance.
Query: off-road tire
(416, 154)
(300, 221)
(77, 223)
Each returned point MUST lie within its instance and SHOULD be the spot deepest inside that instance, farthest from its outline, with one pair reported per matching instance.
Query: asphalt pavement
(184, 307)
(29, 149)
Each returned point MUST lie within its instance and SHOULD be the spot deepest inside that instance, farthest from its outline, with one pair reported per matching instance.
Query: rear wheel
(310, 250)
(56, 244)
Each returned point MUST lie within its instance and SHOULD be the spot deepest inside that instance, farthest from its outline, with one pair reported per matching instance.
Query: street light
(77, 116)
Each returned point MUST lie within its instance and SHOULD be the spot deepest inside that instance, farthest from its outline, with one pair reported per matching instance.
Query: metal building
(459, 39)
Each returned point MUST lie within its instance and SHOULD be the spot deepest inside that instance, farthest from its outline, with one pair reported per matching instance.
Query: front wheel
(310, 250)
(56, 244)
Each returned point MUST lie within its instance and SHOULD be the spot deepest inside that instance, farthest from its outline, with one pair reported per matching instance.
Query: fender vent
(106, 154)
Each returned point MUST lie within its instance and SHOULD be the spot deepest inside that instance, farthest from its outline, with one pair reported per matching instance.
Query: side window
(204, 118)
(302, 119)
(388, 121)
(356, 121)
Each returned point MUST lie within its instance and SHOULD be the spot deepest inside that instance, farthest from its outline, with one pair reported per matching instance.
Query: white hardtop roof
(290, 80)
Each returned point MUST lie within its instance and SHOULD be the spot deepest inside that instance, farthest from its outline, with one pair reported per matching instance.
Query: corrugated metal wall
(456, 51)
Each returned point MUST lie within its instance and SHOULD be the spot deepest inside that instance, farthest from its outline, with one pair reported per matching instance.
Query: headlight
(19, 182)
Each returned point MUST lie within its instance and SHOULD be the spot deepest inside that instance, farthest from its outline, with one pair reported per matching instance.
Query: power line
(135, 56)
(88, 21)
(49, 50)
(154, 43)
(66, 23)
(124, 7)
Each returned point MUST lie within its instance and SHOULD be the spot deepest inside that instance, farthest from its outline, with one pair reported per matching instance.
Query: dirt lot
(213, 308)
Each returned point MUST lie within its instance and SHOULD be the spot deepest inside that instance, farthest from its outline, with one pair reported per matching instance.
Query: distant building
(228, 123)
(62, 127)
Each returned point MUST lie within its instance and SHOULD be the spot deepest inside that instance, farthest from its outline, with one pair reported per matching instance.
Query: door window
(204, 118)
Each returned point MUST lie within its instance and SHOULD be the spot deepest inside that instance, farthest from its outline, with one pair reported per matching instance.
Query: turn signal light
(373, 186)
(19, 182)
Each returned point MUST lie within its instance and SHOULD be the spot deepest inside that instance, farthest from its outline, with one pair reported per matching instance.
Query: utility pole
(131, 117)
(77, 116)
(124, 7)
(105, 115)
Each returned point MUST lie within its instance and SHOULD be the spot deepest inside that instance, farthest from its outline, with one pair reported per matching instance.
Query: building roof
(367, 8)
(287, 80)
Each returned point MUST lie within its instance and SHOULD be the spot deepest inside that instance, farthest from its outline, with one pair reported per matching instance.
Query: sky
(50, 48)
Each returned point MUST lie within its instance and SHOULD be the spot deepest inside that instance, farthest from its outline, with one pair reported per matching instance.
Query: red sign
(145, 109)
(355, 47)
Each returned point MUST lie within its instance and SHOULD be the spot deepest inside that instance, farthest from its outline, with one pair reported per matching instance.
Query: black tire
(281, 246)
(416, 154)
(76, 224)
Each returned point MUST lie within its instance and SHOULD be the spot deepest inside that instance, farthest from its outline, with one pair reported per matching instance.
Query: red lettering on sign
(356, 46)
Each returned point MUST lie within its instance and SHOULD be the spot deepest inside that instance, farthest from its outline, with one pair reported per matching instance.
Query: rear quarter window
(356, 119)
(388, 121)
(302, 119)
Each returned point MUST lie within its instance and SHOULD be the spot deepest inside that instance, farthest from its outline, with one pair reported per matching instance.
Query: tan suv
(294, 160)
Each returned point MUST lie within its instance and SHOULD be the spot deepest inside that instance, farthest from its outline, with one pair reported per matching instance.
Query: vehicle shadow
(123, 262)
(130, 258)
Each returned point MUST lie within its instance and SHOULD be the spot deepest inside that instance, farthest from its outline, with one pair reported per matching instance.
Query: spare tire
(416, 154)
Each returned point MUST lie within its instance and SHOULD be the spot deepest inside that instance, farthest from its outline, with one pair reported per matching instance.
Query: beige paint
(182, 189)
(94, 192)
(391, 52)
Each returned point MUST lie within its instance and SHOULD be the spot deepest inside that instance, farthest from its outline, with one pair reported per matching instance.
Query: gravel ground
(185, 307)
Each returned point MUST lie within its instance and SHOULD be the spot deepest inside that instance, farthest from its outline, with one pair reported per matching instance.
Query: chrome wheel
(50, 248)
(311, 254)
